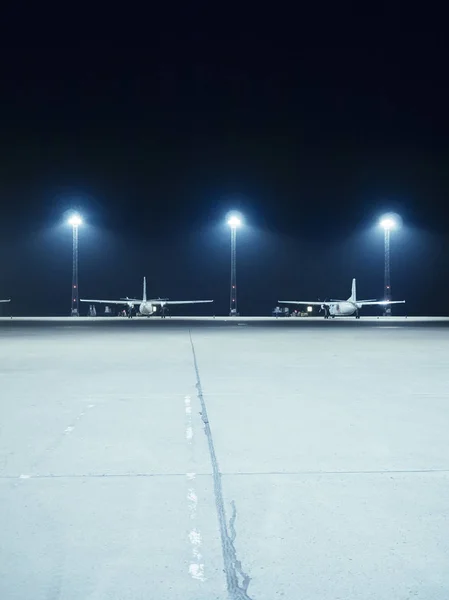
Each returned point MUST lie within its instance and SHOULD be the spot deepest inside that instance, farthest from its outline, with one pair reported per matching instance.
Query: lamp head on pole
(234, 221)
(75, 220)
(390, 221)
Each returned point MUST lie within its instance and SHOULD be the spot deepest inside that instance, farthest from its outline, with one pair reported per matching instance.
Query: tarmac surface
(221, 458)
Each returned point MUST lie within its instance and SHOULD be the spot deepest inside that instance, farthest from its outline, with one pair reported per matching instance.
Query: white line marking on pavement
(196, 568)
(196, 563)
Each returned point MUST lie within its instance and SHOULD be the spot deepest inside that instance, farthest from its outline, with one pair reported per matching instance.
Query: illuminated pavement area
(331, 438)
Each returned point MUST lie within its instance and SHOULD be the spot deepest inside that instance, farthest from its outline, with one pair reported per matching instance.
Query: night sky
(311, 129)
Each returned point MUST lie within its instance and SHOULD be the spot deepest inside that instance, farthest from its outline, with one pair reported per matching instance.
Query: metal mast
(234, 222)
(75, 295)
(233, 295)
(75, 221)
(387, 284)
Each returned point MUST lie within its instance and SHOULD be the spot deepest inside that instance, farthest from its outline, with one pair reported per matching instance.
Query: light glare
(75, 221)
(234, 222)
(388, 223)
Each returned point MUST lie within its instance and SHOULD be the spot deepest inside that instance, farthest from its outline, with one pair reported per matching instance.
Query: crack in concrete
(237, 590)
(238, 565)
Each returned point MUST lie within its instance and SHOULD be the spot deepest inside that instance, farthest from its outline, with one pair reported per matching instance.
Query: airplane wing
(303, 302)
(130, 301)
(379, 302)
(5, 300)
(162, 301)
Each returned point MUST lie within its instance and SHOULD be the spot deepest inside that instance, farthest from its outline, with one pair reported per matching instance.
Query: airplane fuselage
(147, 309)
(343, 309)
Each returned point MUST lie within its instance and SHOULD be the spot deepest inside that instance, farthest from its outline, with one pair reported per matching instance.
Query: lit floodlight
(75, 220)
(388, 223)
(234, 222)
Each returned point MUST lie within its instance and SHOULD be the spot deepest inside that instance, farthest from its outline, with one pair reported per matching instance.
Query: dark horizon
(311, 140)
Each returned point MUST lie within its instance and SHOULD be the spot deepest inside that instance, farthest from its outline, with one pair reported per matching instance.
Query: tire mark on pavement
(237, 580)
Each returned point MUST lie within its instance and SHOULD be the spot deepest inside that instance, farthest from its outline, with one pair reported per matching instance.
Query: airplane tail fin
(144, 298)
(353, 296)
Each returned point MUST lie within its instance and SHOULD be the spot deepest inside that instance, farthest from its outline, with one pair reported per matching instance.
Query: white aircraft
(344, 308)
(146, 307)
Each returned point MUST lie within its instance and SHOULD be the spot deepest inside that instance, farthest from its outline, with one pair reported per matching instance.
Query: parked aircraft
(344, 308)
(146, 307)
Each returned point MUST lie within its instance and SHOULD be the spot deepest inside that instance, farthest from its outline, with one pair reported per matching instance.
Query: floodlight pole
(75, 295)
(233, 294)
(387, 284)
